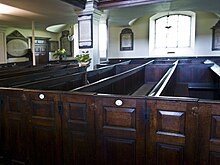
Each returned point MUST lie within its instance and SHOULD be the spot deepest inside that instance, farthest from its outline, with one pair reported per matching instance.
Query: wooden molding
(78, 3)
(108, 4)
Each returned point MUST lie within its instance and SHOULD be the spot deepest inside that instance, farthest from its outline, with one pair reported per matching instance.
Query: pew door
(209, 133)
(78, 129)
(44, 128)
(16, 133)
(171, 132)
(120, 131)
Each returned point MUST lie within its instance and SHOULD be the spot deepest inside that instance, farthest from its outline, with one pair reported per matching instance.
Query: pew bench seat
(144, 89)
(202, 86)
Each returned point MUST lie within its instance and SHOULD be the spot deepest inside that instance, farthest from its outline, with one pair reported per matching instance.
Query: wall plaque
(126, 39)
(85, 31)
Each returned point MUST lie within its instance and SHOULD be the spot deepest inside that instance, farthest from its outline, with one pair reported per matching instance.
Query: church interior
(109, 82)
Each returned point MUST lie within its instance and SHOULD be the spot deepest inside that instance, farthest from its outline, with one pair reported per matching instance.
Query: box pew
(13, 68)
(208, 132)
(107, 63)
(4, 66)
(57, 83)
(30, 70)
(216, 80)
(30, 77)
(191, 80)
(88, 127)
(71, 81)
(47, 127)
(172, 130)
(113, 84)
(130, 82)
(198, 121)
(166, 79)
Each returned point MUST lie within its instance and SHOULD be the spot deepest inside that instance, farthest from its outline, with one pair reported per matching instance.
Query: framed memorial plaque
(17, 45)
(85, 31)
(126, 39)
(216, 36)
(66, 44)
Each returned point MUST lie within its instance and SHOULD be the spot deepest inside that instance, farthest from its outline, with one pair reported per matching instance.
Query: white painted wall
(140, 28)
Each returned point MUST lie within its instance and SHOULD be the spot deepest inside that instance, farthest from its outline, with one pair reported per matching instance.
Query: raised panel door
(78, 129)
(120, 131)
(16, 133)
(45, 143)
(209, 133)
(171, 132)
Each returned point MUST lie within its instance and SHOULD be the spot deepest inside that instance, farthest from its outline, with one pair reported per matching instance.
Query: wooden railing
(157, 90)
(110, 80)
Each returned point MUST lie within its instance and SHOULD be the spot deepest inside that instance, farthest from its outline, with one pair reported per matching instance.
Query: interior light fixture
(167, 25)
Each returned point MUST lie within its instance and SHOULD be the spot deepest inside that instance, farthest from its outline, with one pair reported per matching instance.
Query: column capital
(90, 8)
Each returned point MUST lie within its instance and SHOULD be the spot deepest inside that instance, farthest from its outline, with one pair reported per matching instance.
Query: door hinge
(60, 107)
(1, 103)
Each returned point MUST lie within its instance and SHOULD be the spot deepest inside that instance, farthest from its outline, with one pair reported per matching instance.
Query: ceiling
(52, 12)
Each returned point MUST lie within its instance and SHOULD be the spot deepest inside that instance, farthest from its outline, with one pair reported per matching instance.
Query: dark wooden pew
(191, 80)
(95, 128)
(104, 64)
(14, 64)
(67, 82)
(36, 76)
(29, 70)
(162, 84)
(131, 82)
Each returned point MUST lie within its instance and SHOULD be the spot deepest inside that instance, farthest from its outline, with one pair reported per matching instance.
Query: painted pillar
(84, 27)
(3, 49)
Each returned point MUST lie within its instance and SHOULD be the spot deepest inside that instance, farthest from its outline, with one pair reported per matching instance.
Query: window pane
(184, 31)
(173, 31)
(161, 32)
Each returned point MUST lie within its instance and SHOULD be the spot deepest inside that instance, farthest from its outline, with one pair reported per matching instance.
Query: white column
(94, 51)
(33, 43)
(3, 48)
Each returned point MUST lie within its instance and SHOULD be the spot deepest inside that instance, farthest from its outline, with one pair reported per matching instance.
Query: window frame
(173, 51)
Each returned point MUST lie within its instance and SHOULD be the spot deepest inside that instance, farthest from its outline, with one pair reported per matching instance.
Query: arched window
(172, 33)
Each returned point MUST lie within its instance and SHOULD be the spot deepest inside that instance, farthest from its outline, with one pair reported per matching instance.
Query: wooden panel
(193, 73)
(120, 117)
(209, 133)
(15, 127)
(170, 154)
(120, 131)
(125, 149)
(44, 128)
(214, 158)
(171, 133)
(215, 129)
(78, 129)
(170, 122)
(157, 70)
